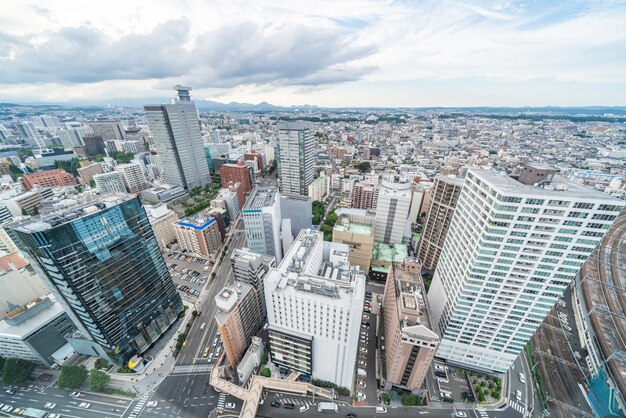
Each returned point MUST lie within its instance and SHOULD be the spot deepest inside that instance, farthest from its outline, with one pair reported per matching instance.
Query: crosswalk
(518, 407)
(192, 368)
(221, 401)
(296, 401)
(140, 403)
(482, 413)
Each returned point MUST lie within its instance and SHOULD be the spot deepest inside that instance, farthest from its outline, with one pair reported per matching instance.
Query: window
(582, 205)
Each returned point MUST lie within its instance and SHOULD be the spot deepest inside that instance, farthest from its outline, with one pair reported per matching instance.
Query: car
(522, 378)
(363, 326)
(275, 404)
(381, 410)
(215, 340)
(75, 394)
(361, 383)
(84, 405)
(304, 408)
(367, 310)
(6, 408)
(289, 406)
(152, 404)
(361, 396)
(10, 391)
(351, 415)
(54, 415)
(363, 349)
(366, 316)
(50, 405)
(205, 352)
(445, 394)
(362, 363)
(230, 405)
(518, 395)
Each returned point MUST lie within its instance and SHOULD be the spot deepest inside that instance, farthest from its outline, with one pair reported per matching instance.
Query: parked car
(75, 394)
(289, 406)
(304, 408)
(275, 404)
(230, 405)
(522, 378)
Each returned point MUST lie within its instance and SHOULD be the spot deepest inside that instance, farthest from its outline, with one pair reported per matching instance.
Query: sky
(344, 53)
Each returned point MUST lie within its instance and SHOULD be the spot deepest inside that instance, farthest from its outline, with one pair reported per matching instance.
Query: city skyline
(338, 55)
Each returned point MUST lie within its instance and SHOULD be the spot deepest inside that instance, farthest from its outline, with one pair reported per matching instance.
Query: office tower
(444, 195)
(231, 201)
(86, 173)
(35, 331)
(410, 343)
(176, 131)
(134, 180)
(355, 228)
(513, 246)
(236, 173)
(107, 130)
(199, 235)
(314, 304)
(94, 145)
(238, 318)
(262, 219)
(363, 195)
(162, 222)
(28, 132)
(392, 210)
(110, 182)
(103, 265)
(296, 157)
(48, 178)
(251, 268)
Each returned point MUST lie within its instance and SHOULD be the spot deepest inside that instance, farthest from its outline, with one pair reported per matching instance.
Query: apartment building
(262, 221)
(251, 268)
(355, 228)
(199, 235)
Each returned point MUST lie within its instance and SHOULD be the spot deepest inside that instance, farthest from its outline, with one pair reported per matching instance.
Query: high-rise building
(262, 220)
(94, 145)
(392, 210)
(512, 248)
(410, 342)
(107, 129)
(86, 173)
(314, 304)
(355, 228)
(176, 131)
(296, 157)
(102, 263)
(254, 156)
(363, 196)
(199, 234)
(444, 195)
(236, 173)
(162, 222)
(110, 182)
(251, 268)
(134, 180)
(238, 318)
(48, 178)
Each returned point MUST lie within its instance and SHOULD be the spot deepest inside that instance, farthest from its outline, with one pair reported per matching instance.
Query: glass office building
(102, 262)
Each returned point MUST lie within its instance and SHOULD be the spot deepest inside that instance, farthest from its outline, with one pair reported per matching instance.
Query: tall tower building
(236, 173)
(392, 210)
(513, 246)
(176, 131)
(103, 265)
(251, 268)
(444, 195)
(363, 195)
(262, 220)
(133, 177)
(296, 159)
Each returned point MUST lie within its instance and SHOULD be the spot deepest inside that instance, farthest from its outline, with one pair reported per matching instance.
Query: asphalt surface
(102, 406)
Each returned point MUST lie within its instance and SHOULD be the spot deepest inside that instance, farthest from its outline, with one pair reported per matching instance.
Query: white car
(381, 410)
(84, 405)
(361, 383)
(50, 405)
(152, 404)
(202, 326)
(230, 405)
(54, 416)
(304, 408)
(522, 378)
(518, 395)
(76, 394)
(363, 349)
(361, 396)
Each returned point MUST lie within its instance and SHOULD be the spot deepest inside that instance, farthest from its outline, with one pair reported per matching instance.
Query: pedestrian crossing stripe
(519, 408)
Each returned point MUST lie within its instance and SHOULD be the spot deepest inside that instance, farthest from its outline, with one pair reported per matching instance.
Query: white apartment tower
(314, 304)
(513, 246)
(177, 137)
(262, 220)
(110, 182)
(133, 176)
(296, 157)
(392, 209)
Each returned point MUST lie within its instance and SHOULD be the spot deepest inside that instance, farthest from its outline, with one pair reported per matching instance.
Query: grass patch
(116, 391)
(534, 371)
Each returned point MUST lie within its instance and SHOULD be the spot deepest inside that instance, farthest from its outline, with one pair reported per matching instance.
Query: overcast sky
(335, 53)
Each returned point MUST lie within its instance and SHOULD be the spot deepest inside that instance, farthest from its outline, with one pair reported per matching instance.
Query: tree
(72, 376)
(409, 399)
(92, 183)
(102, 364)
(264, 359)
(98, 380)
(1, 363)
(365, 166)
(266, 372)
(213, 275)
(70, 166)
(386, 399)
(16, 370)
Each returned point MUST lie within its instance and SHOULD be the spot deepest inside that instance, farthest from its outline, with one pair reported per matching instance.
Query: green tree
(386, 398)
(264, 359)
(365, 166)
(98, 380)
(72, 376)
(266, 372)
(70, 166)
(409, 399)
(102, 364)
(92, 183)
(1, 364)
(16, 370)
(122, 157)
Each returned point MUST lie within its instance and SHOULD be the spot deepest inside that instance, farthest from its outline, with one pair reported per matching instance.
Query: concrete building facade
(162, 222)
(392, 210)
(251, 268)
(199, 235)
(112, 182)
(48, 178)
(355, 228)
(262, 221)
(296, 157)
(133, 176)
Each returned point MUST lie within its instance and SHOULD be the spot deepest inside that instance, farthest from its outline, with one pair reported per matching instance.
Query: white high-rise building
(110, 182)
(133, 176)
(392, 210)
(314, 304)
(262, 220)
(296, 157)
(513, 247)
(177, 137)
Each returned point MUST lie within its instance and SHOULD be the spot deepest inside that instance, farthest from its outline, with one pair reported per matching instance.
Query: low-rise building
(355, 228)
(163, 193)
(48, 178)
(251, 360)
(199, 235)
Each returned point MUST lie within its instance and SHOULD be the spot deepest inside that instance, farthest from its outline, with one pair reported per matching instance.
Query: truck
(34, 413)
(327, 407)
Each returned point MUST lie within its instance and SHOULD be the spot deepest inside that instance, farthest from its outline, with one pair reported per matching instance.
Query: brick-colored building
(236, 173)
(250, 156)
(199, 234)
(48, 178)
(363, 196)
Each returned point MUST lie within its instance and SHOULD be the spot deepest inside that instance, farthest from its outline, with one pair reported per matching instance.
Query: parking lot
(365, 385)
(189, 273)
(448, 383)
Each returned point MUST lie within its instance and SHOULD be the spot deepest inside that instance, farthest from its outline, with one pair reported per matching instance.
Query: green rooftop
(355, 228)
(390, 253)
